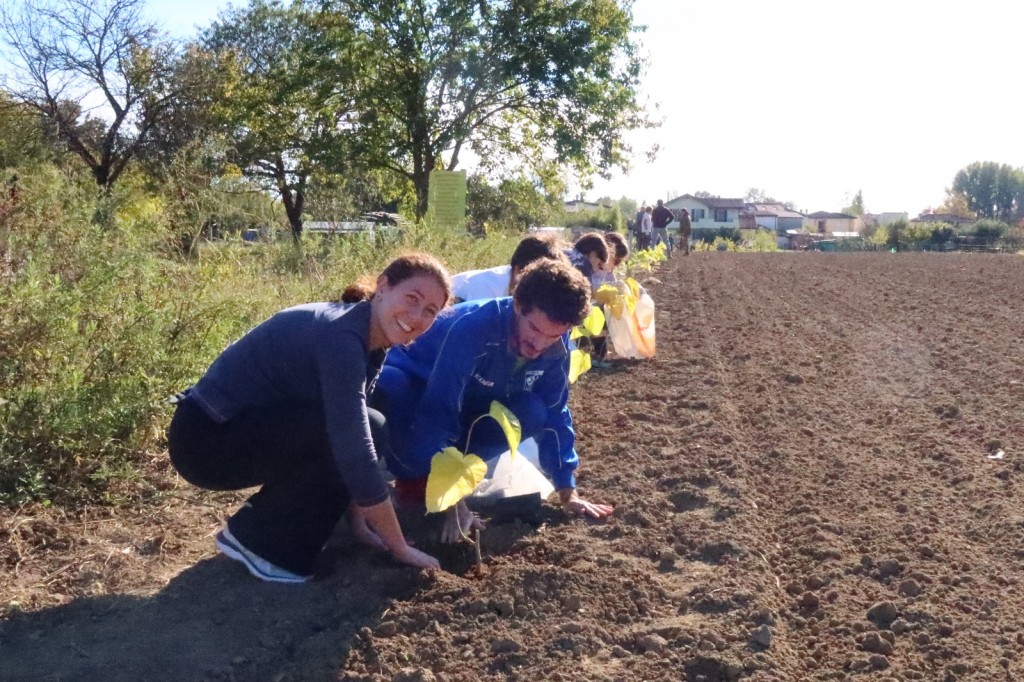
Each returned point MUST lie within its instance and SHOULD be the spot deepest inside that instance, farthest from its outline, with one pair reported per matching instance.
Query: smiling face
(403, 311)
(534, 332)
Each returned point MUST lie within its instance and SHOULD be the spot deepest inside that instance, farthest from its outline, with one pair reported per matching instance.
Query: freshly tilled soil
(818, 478)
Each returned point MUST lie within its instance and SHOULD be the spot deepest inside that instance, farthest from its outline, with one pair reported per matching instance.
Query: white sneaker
(229, 545)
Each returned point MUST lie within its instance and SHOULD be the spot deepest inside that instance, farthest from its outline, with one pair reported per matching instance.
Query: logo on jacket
(485, 382)
(531, 378)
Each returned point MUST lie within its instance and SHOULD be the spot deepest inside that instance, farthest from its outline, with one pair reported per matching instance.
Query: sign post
(446, 198)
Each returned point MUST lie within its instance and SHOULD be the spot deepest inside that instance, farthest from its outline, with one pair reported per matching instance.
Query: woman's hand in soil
(414, 557)
(459, 521)
(380, 520)
(575, 504)
(362, 531)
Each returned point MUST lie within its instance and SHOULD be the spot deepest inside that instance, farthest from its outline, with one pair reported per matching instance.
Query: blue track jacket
(466, 362)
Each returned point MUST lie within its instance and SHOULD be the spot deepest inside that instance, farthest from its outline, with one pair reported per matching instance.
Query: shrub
(760, 241)
(603, 219)
(1014, 239)
(101, 324)
(987, 229)
(718, 244)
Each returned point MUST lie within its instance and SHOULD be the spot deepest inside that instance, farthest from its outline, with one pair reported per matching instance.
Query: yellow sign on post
(446, 198)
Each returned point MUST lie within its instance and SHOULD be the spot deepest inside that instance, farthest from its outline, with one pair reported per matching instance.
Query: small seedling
(454, 475)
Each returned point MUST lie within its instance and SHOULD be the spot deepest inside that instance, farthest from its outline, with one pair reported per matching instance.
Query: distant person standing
(638, 222)
(684, 231)
(646, 229)
(660, 218)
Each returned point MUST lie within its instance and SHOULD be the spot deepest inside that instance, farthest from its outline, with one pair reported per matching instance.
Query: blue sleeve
(437, 423)
(342, 365)
(557, 445)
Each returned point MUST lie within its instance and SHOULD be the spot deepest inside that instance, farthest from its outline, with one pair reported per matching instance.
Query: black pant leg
(283, 448)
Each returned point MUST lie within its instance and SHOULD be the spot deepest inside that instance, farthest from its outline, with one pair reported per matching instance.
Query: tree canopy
(310, 94)
(289, 100)
(98, 73)
(534, 80)
(992, 190)
(856, 206)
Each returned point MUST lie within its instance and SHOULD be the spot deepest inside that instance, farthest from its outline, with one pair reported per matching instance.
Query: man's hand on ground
(575, 504)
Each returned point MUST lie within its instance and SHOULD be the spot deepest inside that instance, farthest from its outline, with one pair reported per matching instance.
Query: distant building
(577, 205)
(771, 216)
(882, 219)
(708, 213)
(824, 222)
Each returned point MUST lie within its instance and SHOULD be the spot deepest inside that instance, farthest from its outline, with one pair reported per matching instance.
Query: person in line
(589, 253)
(618, 252)
(685, 227)
(499, 281)
(513, 350)
(638, 222)
(646, 229)
(660, 218)
(284, 408)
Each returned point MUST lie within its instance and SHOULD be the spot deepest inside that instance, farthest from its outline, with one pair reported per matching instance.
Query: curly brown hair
(555, 288)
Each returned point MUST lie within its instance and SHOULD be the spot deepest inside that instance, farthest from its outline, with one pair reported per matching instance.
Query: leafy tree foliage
(521, 78)
(513, 204)
(954, 204)
(755, 195)
(992, 190)
(23, 136)
(856, 206)
(896, 234)
(189, 122)
(72, 57)
(289, 102)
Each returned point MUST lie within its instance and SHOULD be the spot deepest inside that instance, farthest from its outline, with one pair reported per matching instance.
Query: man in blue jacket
(513, 350)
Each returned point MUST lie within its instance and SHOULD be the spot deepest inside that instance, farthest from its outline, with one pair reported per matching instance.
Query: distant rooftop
(825, 214)
(713, 202)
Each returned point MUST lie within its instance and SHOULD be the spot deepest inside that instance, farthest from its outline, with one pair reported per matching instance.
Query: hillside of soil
(818, 478)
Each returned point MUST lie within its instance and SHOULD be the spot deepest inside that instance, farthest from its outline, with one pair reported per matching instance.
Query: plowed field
(818, 478)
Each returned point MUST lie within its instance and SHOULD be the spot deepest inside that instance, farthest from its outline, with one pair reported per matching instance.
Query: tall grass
(101, 322)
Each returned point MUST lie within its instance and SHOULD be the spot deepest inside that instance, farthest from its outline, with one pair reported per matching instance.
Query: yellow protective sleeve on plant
(509, 423)
(579, 362)
(594, 322)
(453, 475)
(620, 298)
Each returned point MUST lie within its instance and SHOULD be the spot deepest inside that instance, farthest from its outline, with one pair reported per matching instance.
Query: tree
(23, 136)
(96, 71)
(516, 81)
(954, 204)
(755, 195)
(856, 207)
(992, 190)
(513, 204)
(289, 106)
(189, 123)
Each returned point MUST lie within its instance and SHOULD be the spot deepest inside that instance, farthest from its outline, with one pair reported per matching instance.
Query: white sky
(810, 100)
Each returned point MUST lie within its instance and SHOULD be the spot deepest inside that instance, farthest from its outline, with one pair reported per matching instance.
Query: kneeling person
(513, 350)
